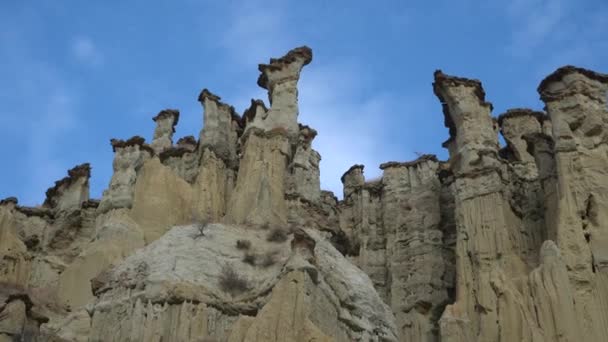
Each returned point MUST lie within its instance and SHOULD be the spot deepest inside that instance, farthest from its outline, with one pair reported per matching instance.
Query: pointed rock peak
(297, 57)
(522, 112)
(168, 113)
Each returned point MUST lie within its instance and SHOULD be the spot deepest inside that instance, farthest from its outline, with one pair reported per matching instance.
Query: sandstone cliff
(229, 237)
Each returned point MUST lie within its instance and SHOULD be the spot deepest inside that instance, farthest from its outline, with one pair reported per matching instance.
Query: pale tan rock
(496, 244)
(118, 235)
(220, 129)
(487, 256)
(12, 318)
(576, 100)
(212, 189)
(70, 192)
(514, 125)
(395, 226)
(415, 257)
(342, 301)
(259, 194)
(165, 127)
(280, 77)
(284, 317)
(161, 200)
(129, 156)
(74, 328)
(14, 257)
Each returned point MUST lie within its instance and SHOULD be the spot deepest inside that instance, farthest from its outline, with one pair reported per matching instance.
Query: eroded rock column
(488, 306)
(116, 233)
(524, 191)
(576, 100)
(270, 143)
(259, 195)
(165, 127)
(416, 260)
(218, 159)
(280, 77)
(129, 156)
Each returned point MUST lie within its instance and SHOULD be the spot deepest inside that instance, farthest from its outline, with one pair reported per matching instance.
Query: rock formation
(229, 237)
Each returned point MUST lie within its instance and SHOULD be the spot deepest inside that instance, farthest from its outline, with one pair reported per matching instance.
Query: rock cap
(302, 53)
(519, 112)
(560, 73)
(351, 169)
(78, 171)
(133, 141)
(167, 113)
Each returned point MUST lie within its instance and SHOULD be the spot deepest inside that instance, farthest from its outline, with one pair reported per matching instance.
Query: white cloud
(355, 126)
(86, 52)
(564, 30)
(533, 22)
(257, 31)
(40, 113)
(351, 122)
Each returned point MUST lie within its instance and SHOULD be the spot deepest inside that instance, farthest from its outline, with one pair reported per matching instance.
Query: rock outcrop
(229, 237)
(165, 127)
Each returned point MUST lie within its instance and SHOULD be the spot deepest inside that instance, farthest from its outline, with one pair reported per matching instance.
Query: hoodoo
(229, 237)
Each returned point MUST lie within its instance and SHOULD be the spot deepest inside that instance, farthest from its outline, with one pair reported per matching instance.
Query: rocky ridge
(229, 237)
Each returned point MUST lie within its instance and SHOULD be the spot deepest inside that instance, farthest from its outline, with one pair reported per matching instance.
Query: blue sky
(74, 74)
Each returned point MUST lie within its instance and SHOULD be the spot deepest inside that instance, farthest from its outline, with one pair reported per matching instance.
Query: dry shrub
(249, 258)
(277, 235)
(200, 227)
(243, 244)
(231, 282)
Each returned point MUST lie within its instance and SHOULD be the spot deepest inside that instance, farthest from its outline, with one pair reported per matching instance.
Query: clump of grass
(250, 258)
(231, 282)
(243, 244)
(277, 235)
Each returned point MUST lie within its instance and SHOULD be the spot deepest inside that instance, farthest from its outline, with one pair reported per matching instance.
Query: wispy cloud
(257, 30)
(40, 108)
(533, 22)
(332, 95)
(565, 30)
(334, 101)
(85, 51)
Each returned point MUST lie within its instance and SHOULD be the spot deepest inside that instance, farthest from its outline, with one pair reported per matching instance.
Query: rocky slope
(229, 237)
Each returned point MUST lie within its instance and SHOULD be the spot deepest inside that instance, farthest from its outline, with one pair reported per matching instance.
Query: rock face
(230, 237)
